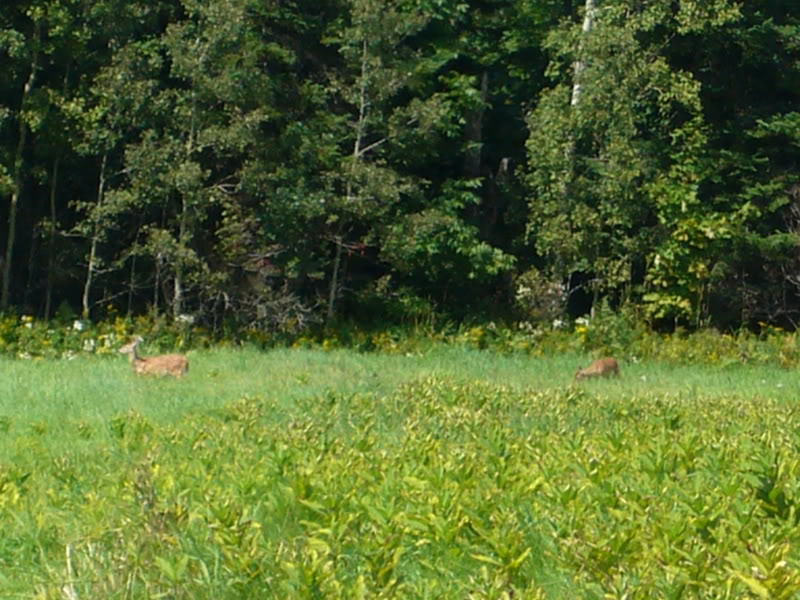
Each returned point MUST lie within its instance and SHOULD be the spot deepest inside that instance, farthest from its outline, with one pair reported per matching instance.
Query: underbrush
(438, 488)
(26, 337)
(618, 334)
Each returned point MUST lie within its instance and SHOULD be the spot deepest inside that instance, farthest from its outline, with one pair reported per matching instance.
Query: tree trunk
(51, 243)
(87, 286)
(157, 285)
(177, 288)
(580, 63)
(131, 282)
(361, 126)
(337, 261)
(18, 160)
(577, 88)
(183, 220)
(31, 268)
(51, 234)
(473, 156)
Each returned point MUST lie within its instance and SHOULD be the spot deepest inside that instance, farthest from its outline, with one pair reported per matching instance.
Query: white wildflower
(185, 319)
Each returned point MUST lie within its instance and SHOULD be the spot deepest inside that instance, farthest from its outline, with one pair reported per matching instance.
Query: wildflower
(522, 292)
(78, 325)
(185, 319)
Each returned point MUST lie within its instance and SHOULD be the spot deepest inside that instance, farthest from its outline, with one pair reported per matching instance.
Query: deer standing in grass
(167, 364)
(603, 367)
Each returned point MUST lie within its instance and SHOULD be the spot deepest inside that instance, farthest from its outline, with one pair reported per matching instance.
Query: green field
(453, 474)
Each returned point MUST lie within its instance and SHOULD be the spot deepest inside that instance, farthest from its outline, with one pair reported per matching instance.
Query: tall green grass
(58, 396)
(451, 474)
(88, 387)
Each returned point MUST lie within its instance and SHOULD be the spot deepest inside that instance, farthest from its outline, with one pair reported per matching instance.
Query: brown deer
(167, 364)
(603, 367)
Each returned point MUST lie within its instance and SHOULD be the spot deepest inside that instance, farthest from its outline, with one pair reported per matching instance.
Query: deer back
(603, 367)
(167, 364)
(176, 365)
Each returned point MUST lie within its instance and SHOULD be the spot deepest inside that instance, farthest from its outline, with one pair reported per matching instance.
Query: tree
(192, 131)
(346, 143)
(724, 197)
(24, 45)
(55, 49)
(593, 153)
(105, 113)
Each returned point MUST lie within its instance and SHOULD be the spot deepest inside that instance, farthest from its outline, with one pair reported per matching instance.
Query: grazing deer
(167, 364)
(603, 367)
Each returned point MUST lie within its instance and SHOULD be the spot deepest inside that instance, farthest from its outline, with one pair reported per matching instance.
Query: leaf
(755, 586)
(165, 566)
(314, 506)
(319, 545)
(487, 559)
(514, 564)
(419, 484)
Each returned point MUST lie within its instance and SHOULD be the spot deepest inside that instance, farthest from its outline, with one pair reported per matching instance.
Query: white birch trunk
(580, 63)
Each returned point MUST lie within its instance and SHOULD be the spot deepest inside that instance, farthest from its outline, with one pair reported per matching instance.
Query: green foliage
(29, 338)
(595, 137)
(268, 166)
(619, 333)
(684, 263)
(440, 254)
(457, 486)
(388, 302)
(632, 167)
(609, 332)
(442, 248)
(539, 298)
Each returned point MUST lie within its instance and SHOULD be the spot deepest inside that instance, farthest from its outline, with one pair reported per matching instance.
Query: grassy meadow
(298, 473)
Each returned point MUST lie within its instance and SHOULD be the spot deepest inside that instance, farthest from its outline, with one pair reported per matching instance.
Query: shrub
(27, 338)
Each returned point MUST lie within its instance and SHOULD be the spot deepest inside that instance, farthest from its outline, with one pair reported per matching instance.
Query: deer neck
(135, 354)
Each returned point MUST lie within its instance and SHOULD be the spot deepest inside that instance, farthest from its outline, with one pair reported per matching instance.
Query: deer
(603, 367)
(166, 364)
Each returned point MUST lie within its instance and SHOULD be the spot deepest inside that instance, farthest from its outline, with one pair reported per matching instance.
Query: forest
(276, 164)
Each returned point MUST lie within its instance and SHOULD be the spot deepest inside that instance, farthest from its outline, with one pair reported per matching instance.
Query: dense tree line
(276, 162)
